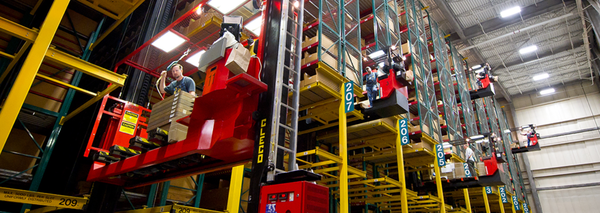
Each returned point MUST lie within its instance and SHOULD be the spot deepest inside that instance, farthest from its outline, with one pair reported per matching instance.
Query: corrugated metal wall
(567, 169)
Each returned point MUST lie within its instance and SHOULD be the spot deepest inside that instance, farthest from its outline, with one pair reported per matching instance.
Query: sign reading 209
(404, 140)
(441, 157)
(348, 97)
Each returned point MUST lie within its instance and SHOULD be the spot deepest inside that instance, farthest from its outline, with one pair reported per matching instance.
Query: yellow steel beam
(158, 209)
(42, 199)
(11, 28)
(438, 184)
(189, 209)
(88, 103)
(100, 9)
(485, 200)
(47, 78)
(116, 24)
(6, 55)
(86, 67)
(235, 189)
(467, 199)
(43, 209)
(400, 159)
(21, 86)
(501, 205)
(15, 59)
(311, 165)
(343, 128)
(35, 8)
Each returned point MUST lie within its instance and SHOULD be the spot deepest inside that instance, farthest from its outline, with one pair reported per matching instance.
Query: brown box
(481, 168)
(217, 199)
(308, 80)
(19, 141)
(459, 170)
(181, 194)
(238, 60)
(422, 145)
(177, 132)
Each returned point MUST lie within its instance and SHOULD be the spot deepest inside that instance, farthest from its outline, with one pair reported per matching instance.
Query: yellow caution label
(131, 117)
(144, 140)
(42, 199)
(127, 127)
(122, 148)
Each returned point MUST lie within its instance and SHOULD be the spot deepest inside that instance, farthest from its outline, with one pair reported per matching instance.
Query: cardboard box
(177, 132)
(19, 141)
(481, 168)
(308, 80)
(410, 75)
(181, 194)
(422, 145)
(217, 199)
(239, 59)
(459, 170)
(414, 128)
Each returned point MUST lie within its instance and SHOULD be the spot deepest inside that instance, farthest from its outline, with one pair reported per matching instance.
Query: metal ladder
(287, 81)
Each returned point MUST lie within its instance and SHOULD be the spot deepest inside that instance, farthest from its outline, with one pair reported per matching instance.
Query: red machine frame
(112, 135)
(296, 197)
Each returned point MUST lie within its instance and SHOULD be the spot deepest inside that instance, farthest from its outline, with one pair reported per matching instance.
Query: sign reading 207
(348, 97)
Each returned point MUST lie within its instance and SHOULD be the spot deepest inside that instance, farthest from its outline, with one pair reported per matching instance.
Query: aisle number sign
(467, 170)
(525, 208)
(516, 203)
(404, 139)
(503, 194)
(348, 97)
(42, 199)
(488, 190)
(441, 158)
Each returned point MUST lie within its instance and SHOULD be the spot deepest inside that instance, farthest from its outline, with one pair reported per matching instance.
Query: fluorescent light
(381, 64)
(225, 7)
(510, 11)
(376, 54)
(393, 47)
(476, 67)
(296, 4)
(255, 26)
(507, 131)
(540, 76)
(547, 91)
(476, 137)
(195, 59)
(446, 145)
(168, 41)
(528, 49)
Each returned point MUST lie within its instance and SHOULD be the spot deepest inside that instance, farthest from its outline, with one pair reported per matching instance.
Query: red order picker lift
(393, 83)
(227, 127)
(494, 174)
(484, 83)
(532, 139)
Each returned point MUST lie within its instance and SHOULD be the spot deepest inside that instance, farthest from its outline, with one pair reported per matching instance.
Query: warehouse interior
(319, 106)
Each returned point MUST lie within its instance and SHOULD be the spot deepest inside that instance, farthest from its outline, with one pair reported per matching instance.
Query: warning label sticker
(127, 128)
(131, 117)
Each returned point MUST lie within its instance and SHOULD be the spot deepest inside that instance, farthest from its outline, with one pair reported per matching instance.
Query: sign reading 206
(348, 97)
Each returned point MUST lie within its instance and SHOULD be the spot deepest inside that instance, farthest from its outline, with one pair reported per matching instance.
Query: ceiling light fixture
(195, 59)
(476, 67)
(168, 41)
(507, 131)
(540, 76)
(225, 7)
(510, 11)
(296, 4)
(528, 49)
(255, 26)
(547, 91)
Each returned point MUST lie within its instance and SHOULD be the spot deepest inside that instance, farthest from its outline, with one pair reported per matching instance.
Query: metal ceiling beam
(450, 17)
(497, 23)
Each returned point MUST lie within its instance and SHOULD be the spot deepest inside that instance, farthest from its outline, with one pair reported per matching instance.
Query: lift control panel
(295, 197)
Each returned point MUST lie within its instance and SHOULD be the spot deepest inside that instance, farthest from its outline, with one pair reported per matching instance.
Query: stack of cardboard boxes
(166, 113)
